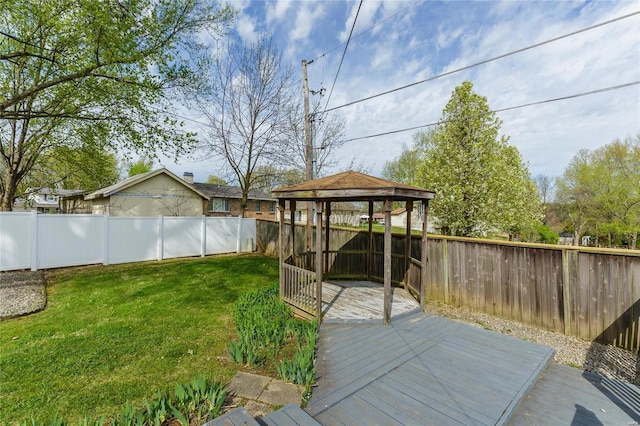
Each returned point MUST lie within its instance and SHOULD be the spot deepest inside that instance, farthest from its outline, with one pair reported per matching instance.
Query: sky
(396, 43)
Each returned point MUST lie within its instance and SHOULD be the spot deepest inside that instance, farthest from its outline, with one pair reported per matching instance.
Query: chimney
(188, 177)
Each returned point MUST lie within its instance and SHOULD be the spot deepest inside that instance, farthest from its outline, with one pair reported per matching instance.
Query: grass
(112, 334)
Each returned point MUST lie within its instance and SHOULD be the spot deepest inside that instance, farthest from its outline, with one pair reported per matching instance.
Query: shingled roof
(352, 186)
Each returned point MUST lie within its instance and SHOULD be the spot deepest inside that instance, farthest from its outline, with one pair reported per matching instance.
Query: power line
(344, 52)
(368, 29)
(487, 60)
(562, 98)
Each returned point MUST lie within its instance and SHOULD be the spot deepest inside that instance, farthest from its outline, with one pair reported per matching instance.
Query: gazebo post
(425, 255)
(281, 241)
(407, 244)
(319, 262)
(327, 233)
(292, 230)
(387, 260)
(370, 242)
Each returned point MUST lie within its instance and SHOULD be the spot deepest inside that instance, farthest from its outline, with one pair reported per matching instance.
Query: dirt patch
(22, 293)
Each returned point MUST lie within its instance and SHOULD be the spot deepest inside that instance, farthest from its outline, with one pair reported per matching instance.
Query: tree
(545, 186)
(269, 178)
(600, 192)
(95, 73)
(327, 134)
(88, 168)
(143, 165)
(481, 181)
(247, 106)
(403, 169)
(215, 180)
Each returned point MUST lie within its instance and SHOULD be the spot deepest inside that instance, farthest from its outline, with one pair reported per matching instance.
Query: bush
(546, 235)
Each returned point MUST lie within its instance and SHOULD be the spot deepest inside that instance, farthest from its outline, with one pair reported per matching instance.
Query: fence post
(203, 236)
(160, 236)
(239, 239)
(34, 240)
(445, 270)
(566, 290)
(105, 238)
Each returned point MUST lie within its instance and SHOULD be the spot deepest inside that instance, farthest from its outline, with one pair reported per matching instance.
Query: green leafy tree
(599, 192)
(143, 165)
(216, 180)
(403, 169)
(88, 168)
(95, 73)
(481, 181)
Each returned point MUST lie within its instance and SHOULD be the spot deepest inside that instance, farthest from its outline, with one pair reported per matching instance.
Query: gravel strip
(605, 360)
(22, 293)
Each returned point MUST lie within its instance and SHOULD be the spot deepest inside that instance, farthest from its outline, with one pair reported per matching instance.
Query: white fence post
(34, 240)
(239, 239)
(105, 236)
(160, 236)
(203, 237)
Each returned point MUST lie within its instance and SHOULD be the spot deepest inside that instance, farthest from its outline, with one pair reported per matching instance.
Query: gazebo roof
(353, 186)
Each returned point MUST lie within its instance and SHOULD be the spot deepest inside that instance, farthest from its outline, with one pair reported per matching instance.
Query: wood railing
(590, 293)
(299, 289)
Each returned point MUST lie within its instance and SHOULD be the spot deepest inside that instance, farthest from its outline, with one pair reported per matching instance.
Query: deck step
(237, 417)
(289, 415)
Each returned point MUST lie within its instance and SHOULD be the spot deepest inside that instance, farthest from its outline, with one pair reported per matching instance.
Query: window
(298, 216)
(272, 206)
(219, 205)
(258, 206)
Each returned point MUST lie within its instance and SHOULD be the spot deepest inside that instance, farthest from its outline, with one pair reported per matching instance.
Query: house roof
(352, 185)
(133, 180)
(227, 191)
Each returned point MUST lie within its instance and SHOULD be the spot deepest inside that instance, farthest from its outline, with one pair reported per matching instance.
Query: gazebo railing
(299, 288)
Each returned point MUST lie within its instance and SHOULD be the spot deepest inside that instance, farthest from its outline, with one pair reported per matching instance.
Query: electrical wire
(486, 61)
(562, 98)
(344, 52)
(368, 29)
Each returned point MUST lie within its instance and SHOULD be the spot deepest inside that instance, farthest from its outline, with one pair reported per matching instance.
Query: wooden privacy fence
(590, 293)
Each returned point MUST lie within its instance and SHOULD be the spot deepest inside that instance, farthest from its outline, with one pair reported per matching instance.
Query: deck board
(419, 369)
(426, 370)
(579, 397)
(362, 300)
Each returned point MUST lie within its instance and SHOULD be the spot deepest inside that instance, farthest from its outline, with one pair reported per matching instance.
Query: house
(399, 219)
(46, 200)
(155, 193)
(225, 200)
(342, 213)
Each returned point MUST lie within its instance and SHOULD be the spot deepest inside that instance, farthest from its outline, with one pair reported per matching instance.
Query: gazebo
(301, 274)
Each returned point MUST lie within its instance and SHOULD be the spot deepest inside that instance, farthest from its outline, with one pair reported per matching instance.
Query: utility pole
(308, 151)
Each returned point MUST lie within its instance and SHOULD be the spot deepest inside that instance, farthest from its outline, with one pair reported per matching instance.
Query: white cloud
(306, 19)
(246, 28)
(277, 11)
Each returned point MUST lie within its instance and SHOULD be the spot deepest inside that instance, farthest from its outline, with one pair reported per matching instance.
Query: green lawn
(112, 334)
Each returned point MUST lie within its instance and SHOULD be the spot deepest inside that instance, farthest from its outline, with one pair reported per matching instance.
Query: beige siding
(158, 196)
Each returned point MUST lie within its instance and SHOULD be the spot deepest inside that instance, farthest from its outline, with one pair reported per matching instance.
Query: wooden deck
(568, 396)
(420, 369)
(362, 300)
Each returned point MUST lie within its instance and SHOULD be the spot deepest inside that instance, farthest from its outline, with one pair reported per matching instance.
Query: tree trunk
(6, 205)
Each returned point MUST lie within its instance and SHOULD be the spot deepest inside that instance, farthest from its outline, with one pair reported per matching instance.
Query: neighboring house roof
(133, 180)
(227, 191)
(59, 191)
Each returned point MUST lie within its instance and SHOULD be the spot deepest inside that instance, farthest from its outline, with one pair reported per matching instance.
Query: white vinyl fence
(34, 241)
